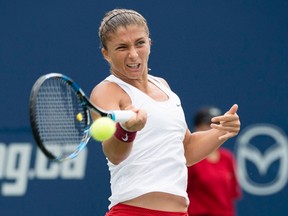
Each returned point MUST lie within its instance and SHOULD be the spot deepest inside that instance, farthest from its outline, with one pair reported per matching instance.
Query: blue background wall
(210, 52)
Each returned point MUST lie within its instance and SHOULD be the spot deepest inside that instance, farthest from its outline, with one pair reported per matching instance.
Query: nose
(133, 52)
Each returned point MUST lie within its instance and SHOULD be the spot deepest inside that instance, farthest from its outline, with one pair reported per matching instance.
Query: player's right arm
(109, 96)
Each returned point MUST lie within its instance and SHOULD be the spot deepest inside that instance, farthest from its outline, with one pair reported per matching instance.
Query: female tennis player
(147, 156)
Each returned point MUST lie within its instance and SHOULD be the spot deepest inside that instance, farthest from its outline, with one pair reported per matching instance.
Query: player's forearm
(200, 144)
(115, 150)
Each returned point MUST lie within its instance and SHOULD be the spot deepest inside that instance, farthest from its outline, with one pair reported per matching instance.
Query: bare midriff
(159, 201)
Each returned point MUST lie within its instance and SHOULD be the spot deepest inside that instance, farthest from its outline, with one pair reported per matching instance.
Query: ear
(105, 55)
(150, 43)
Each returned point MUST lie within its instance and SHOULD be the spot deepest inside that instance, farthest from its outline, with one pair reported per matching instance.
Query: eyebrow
(125, 44)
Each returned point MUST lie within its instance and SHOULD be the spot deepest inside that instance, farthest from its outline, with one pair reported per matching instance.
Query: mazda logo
(260, 146)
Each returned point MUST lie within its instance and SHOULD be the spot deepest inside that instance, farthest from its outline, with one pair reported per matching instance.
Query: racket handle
(121, 115)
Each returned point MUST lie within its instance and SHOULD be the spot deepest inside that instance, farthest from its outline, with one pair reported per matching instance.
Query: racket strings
(57, 106)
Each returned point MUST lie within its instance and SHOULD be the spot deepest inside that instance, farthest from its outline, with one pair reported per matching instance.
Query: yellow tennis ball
(102, 129)
(79, 117)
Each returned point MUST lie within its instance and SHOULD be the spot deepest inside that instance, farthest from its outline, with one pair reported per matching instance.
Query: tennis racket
(60, 116)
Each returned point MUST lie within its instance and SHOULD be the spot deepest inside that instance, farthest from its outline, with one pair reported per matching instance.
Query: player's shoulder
(106, 89)
(160, 79)
(108, 95)
(106, 86)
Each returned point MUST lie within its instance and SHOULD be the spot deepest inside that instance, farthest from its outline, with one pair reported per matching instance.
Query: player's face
(128, 52)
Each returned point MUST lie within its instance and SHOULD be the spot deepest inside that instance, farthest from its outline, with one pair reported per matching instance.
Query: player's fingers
(138, 112)
(235, 123)
(142, 115)
(130, 107)
(234, 128)
(138, 122)
(233, 109)
(230, 115)
(225, 118)
(229, 123)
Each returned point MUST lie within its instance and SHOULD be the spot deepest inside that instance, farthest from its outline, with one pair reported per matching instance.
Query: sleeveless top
(156, 162)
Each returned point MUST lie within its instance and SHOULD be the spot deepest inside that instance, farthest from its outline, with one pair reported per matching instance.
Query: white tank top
(156, 162)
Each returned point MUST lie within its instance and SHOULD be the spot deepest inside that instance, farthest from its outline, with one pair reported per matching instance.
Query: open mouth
(133, 66)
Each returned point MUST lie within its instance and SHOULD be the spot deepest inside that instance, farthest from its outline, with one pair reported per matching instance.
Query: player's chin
(135, 75)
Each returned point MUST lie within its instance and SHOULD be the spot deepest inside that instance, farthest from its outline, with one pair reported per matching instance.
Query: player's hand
(137, 122)
(229, 123)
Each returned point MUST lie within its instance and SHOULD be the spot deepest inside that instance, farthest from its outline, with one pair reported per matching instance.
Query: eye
(140, 43)
(121, 47)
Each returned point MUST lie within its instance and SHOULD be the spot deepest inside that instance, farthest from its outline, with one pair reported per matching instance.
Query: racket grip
(121, 115)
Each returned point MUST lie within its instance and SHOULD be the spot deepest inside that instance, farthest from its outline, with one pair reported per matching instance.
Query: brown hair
(116, 18)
